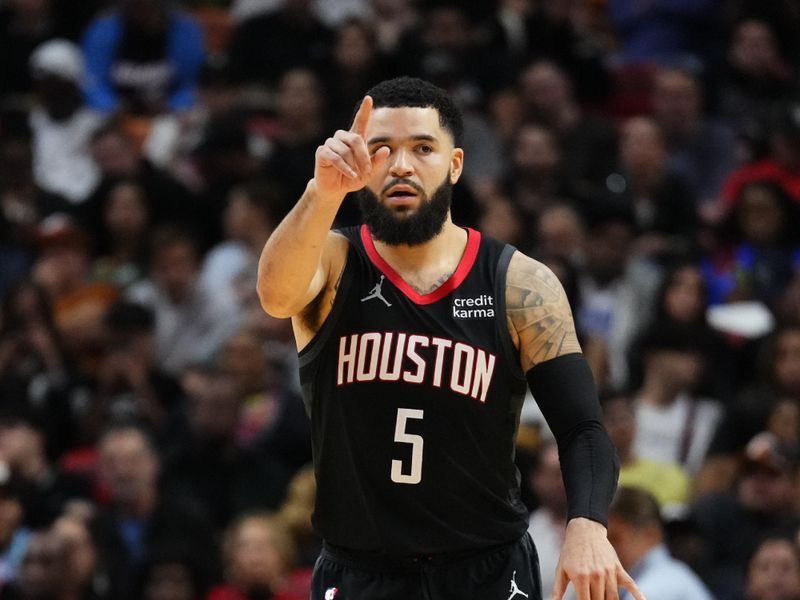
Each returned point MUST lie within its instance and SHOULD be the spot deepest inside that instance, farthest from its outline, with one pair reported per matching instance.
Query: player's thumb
(380, 156)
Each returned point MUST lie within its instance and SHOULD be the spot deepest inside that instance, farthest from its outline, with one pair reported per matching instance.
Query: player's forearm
(565, 391)
(292, 257)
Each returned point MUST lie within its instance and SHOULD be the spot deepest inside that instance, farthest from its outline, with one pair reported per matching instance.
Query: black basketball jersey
(414, 403)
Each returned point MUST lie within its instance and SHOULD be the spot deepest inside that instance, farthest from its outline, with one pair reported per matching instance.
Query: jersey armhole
(317, 343)
(511, 354)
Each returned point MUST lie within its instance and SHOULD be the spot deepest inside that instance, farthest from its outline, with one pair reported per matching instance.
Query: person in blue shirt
(144, 57)
(635, 531)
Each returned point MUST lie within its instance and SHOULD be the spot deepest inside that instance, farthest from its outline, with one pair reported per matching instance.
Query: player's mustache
(403, 181)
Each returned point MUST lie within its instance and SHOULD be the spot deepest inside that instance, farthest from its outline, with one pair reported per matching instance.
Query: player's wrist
(315, 193)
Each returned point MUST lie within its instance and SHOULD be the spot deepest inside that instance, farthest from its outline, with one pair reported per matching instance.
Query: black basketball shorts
(509, 572)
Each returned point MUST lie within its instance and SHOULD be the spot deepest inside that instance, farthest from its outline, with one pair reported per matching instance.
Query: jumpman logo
(514, 589)
(376, 293)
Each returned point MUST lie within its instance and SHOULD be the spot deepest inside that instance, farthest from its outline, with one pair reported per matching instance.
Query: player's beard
(394, 227)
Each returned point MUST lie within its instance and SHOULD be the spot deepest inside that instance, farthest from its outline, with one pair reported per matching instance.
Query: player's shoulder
(528, 276)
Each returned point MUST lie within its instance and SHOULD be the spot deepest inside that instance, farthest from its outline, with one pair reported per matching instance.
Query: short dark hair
(414, 92)
(636, 507)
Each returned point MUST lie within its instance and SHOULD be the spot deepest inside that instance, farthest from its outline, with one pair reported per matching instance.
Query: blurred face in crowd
(787, 362)
(676, 101)
(82, 556)
(126, 213)
(128, 466)
(147, 15)
(447, 28)
(19, 443)
(175, 268)
(774, 572)
(10, 518)
(545, 90)
(115, 154)
(354, 49)
(536, 152)
(620, 422)
(244, 359)
(169, 581)
(760, 215)
(754, 50)
(631, 543)
(642, 149)
(682, 369)
(257, 553)
(609, 243)
(214, 408)
(560, 232)
(43, 571)
(547, 483)
(684, 298)
(299, 96)
(766, 490)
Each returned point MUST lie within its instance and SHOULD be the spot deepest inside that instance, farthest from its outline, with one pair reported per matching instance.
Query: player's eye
(424, 149)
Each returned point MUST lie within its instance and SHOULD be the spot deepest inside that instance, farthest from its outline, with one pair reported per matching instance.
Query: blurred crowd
(153, 440)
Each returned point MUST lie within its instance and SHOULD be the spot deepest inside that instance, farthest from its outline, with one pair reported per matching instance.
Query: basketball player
(416, 339)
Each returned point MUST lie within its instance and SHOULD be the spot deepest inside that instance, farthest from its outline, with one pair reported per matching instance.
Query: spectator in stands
(588, 143)
(666, 32)
(43, 574)
(733, 523)
(121, 243)
(393, 20)
(759, 249)
(616, 291)
(61, 127)
(248, 220)
(674, 424)
(119, 159)
(755, 74)
(89, 572)
(753, 409)
(661, 200)
(24, 25)
(14, 535)
(143, 58)
(299, 129)
(32, 350)
(549, 519)
(296, 513)
(781, 166)
(667, 482)
(204, 463)
(265, 47)
(64, 270)
(138, 518)
(130, 383)
(635, 530)
(261, 558)
(172, 572)
(46, 489)
(191, 322)
(701, 150)
(774, 571)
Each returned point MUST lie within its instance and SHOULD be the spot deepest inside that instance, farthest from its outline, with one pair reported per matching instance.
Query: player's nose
(400, 164)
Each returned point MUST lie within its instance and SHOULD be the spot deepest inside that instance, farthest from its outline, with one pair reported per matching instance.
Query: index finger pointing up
(362, 116)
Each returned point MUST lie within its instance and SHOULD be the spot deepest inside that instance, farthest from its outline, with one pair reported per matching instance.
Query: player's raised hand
(589, 561)
(343, 163)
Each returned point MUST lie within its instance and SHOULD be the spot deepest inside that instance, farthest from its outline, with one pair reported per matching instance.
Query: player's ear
(456, 164)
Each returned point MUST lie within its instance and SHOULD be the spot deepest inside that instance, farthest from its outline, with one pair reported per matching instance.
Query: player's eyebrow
(420, 137)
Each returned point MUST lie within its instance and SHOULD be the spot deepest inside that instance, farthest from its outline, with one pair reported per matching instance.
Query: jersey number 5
(416, 441)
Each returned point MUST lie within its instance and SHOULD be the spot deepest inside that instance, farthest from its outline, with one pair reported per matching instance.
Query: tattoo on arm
(538, 313)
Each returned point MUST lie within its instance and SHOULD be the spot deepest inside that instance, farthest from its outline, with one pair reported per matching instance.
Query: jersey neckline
(456, 279)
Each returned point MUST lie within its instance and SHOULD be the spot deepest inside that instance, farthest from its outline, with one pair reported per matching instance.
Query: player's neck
(445, 247)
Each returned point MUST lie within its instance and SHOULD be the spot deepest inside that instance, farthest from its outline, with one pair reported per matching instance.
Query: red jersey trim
(456, 279)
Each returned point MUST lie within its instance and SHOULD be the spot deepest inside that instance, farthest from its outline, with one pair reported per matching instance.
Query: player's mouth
(401, 194)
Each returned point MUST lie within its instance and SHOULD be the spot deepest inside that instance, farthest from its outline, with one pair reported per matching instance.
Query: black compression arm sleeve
(565, 391)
